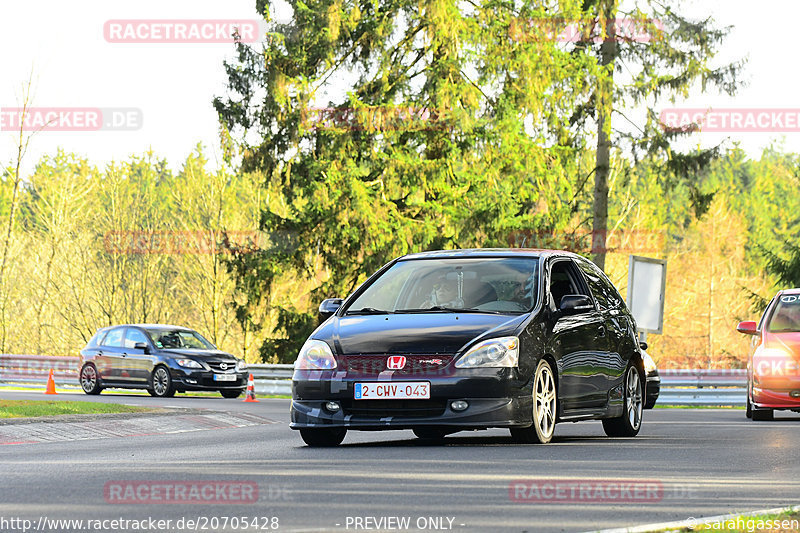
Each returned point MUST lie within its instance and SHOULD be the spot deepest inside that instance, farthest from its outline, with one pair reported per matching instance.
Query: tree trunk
(604, 106)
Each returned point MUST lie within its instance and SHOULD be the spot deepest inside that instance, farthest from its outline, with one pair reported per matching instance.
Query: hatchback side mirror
(748, 328)
(573, 304)
(329, 306)
(142, 346)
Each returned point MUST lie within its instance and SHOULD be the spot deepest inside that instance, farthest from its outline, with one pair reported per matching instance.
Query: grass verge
(37, 408)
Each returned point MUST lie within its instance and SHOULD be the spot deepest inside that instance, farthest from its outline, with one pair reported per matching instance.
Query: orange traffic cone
(250, 396)
(51, 385)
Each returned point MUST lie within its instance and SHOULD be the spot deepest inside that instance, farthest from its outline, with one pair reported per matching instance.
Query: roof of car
(488, 252)
(790, 291)
(154, 326)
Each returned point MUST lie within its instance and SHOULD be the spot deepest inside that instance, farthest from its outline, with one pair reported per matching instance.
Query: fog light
(795, 394)
(191, 380)
(458, 405)
(332, 406)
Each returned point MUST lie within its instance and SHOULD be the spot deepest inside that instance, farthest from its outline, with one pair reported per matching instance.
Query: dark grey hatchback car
(160, 358)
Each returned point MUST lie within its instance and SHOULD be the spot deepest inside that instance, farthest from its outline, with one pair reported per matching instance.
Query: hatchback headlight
(315, 355)
(241, 365)
(189, 363)
(492, 353)
(649, 364)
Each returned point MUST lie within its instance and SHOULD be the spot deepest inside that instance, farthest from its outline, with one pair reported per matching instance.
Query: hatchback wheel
(430, 434)
(630, 422)
(544, 408)
(323, 437)
(763, 414)
(90, 381)
(748, 411)
(161, 383)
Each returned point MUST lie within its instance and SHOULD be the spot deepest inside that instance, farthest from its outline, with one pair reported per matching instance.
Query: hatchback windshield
(787, 314)
(178, 338)
(493, 285)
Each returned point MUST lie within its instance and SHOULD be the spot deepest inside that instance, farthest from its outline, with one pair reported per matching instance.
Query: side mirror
(142, 346)
(573, 304)
(642, 345)
(748, 328)
(329, 306)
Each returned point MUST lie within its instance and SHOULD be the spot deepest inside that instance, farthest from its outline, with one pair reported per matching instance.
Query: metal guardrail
(678, 387)
(727, 388)
(31, 371)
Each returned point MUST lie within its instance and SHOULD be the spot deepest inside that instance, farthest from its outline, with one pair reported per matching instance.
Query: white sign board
(647, 280)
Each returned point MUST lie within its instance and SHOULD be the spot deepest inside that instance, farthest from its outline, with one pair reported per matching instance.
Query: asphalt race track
(684, 463)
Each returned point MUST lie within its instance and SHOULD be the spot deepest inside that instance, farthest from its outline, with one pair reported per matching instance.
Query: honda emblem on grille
(396, 362)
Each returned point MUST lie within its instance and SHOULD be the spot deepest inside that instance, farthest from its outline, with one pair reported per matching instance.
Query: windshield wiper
(440, 308)
(368, 311)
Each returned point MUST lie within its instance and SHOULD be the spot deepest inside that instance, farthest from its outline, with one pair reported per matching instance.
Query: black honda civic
(160, 358)
(446, 341)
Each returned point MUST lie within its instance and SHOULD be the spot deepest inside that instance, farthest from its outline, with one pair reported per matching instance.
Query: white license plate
(399, 390)
(225, 377)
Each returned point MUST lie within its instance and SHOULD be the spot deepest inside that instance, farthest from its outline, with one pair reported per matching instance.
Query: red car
(773, 367)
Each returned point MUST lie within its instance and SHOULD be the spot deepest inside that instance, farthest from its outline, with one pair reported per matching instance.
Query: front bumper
(495, 398)
(199, 380)
(652, 391)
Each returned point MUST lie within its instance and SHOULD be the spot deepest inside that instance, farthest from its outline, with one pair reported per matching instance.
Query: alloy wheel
(544, 400)
(633, 398)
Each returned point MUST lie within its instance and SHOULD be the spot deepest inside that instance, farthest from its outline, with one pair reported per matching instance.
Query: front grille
(215, 366)
(394, 408)
(415, 364)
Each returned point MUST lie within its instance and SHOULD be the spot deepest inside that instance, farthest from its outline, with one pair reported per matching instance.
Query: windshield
(178, 338)
(786, 316)
(491, 285)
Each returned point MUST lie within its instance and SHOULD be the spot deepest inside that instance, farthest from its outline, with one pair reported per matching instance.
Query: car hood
(424, 333)
(204, 355)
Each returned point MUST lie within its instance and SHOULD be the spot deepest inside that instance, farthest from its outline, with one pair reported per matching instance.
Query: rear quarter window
(605, 293)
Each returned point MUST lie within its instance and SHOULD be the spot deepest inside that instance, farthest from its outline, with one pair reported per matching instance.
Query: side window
(95, 340)
(564, 280)
(604, 291)
(132, 336)
(114, 338)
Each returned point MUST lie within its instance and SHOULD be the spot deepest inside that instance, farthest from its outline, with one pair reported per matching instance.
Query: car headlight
(315, 355)
(189, 363)
(241, 365)
(501, 352)
(649, 364)
(774, 362)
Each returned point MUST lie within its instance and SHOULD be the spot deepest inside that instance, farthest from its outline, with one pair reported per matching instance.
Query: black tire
(432, 435)
(748, 410)
(545, 408)
(161, 385)
(90, 380)
(630, 422)
(228, 393)
(323, 437)
(763, 415)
